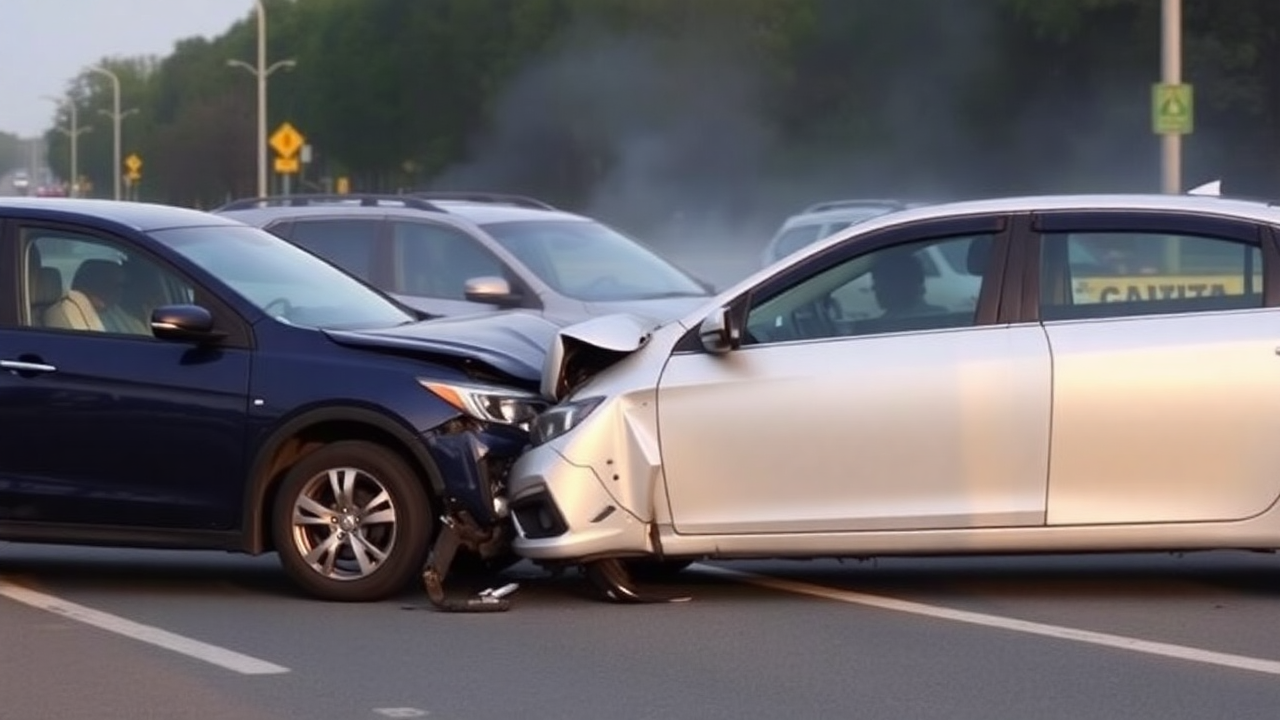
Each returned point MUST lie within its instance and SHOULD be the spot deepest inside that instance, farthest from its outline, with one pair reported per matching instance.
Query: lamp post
(74, 133)
(116, 117)
(1171, 74)
(262, 72)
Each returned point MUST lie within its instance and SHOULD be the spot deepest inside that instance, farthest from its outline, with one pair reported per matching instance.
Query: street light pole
(74, 134)
(262, 72)
(1171, 74)
(116, 118)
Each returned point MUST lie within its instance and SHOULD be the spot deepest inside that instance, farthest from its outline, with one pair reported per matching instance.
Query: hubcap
(344, 523)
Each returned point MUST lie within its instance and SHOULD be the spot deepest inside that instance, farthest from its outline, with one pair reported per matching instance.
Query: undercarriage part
(455, 533)
(613, 581)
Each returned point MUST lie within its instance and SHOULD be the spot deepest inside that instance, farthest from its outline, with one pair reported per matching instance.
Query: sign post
(287, 141)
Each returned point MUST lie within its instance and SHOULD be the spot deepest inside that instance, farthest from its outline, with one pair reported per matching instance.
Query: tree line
(682, 108)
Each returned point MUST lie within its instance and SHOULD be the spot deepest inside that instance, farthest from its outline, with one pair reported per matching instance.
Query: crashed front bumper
(473, 464)
(562, 511)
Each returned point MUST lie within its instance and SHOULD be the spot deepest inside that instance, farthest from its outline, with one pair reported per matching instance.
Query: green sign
(1172, 112)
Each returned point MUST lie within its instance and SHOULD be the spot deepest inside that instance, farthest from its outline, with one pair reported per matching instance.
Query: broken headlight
(490, 403)
(561, 419)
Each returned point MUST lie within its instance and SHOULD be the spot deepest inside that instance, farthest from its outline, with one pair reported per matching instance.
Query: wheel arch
(309, 430)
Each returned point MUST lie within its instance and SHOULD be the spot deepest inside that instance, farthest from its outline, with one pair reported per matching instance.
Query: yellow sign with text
(1137, 288)
(286, 165)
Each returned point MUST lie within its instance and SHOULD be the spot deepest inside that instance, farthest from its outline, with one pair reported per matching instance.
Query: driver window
(82, 283)
(885, 291)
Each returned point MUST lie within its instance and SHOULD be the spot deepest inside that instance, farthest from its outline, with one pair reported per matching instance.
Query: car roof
(479, 213)
(484, 213)
(1249, 209)
(1253, 209)
(136, 215)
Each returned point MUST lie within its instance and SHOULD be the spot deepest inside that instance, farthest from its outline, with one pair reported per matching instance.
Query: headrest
(979, 255)
(100, 277)
(47, 286)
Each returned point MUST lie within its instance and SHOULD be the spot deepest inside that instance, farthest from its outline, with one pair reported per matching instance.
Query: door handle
(22, 366)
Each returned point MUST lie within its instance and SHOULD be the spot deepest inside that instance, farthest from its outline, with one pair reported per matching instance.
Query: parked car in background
(452, 253)
(1137, 416)
(821, 220)
(176, 379)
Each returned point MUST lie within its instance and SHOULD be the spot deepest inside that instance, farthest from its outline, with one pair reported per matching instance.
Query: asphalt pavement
(108, 633)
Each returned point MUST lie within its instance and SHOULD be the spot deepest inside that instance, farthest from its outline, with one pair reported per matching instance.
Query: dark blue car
(176, 379)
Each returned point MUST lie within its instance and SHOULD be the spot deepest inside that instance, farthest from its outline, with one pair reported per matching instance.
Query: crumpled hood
(583, 349)
(514, 342)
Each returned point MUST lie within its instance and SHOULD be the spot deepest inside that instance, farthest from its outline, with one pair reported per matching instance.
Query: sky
(46, 43)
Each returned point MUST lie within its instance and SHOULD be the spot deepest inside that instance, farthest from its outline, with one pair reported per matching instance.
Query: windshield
(283, 280)
(590, 262)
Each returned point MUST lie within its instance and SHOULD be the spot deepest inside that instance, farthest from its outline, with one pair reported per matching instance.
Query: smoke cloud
(686, 141)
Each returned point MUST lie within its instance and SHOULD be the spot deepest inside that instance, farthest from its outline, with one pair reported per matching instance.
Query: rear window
(794, 239)
(802, 236)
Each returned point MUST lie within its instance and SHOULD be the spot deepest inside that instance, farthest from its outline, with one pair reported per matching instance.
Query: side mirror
(184, 323)
(720, 333)
(491, 290)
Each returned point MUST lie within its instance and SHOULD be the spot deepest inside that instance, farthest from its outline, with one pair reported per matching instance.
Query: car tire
(352, 522)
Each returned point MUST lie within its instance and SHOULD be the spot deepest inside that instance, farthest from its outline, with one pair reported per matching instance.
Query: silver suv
(461, 253)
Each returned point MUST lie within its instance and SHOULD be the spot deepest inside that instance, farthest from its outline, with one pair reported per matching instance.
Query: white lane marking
(401, 712)
(1181, 652)
(222, 657)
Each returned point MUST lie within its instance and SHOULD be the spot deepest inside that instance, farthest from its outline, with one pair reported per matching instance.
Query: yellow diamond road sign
(1172, 110)
(133, 163)
(287, 141)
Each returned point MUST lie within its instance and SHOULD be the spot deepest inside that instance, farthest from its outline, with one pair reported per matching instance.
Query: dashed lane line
(212, 654)
(1181, 652)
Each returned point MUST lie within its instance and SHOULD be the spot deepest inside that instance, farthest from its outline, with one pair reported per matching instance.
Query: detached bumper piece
(613, 581)
(461, 532)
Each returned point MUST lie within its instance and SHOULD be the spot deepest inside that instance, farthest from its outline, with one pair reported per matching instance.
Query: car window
(350, 244)
(436, 261)
(591, 262)
(883, 291)
(1112, 274)
(795, 239)
(283, 280)
(84, 283)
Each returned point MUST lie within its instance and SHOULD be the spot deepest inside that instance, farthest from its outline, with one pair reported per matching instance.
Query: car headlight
(490, 403)
(561, 419)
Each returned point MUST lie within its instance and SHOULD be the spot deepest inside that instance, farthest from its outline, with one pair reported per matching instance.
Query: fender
(256, 495)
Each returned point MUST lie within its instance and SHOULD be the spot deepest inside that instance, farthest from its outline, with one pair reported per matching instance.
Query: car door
(1166, 375)
(822, 423)
(102, 424)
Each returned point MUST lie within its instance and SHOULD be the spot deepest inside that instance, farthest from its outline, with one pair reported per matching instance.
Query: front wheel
(351, 522)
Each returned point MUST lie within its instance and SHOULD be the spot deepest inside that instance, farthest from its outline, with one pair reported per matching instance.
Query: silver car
(1125, 405)
(463, 253)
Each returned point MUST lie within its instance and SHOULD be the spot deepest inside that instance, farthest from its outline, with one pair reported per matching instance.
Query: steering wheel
(285, 306)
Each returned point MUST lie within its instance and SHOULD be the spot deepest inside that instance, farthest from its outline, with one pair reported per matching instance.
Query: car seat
(75, 311)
